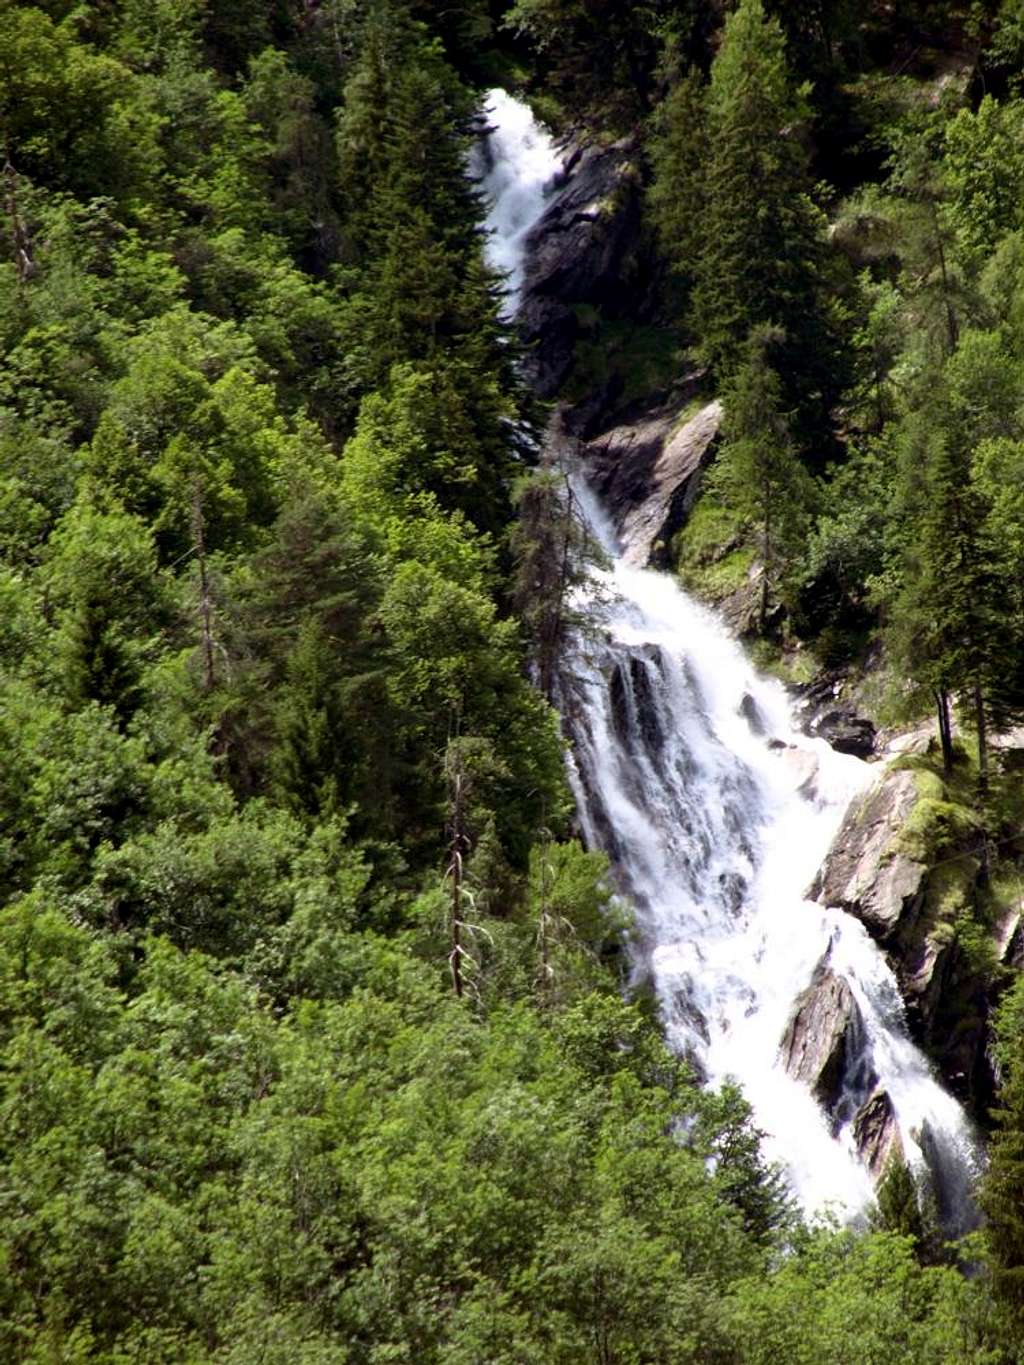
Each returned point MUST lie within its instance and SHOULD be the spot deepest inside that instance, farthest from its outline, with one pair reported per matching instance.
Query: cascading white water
(716, 812)
(516, 162)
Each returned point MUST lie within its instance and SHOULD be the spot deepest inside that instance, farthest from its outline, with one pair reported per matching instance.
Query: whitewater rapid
(716, 811)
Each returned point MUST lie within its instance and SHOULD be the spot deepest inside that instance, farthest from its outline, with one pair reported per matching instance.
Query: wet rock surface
(826, 716)
(869, 873)
(647, 469)
(819, 1042)
(876, 1133)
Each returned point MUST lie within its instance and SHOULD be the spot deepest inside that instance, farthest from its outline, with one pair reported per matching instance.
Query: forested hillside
(313, 1039)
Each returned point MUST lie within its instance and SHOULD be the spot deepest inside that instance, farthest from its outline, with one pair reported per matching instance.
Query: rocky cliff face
(820, 1043)
(866, 873)
(824, 1046)
(578, 254)
(644, 458)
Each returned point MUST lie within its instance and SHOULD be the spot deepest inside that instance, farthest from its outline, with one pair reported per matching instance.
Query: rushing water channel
(689, 771)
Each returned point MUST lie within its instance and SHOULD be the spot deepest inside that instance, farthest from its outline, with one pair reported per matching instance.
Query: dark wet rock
(903, 904)
(645, 464)
(825, 716)
(751, 713)
(876, 1133)
(818, 1043)
(846, 732)
(950, 1182)
(646, 526)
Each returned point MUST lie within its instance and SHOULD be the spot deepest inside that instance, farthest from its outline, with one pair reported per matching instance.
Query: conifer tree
(678, 151)
(548, 543)
(955, 627)
(412, 225)
(758, 472)
(764, 252)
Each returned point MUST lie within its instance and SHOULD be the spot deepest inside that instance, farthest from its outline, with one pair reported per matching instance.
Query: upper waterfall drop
(689, 771)
(517, 162)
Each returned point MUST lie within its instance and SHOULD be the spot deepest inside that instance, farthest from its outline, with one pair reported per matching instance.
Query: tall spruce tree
(758, 472)
(678, 151)
(954, 626)
(764, 253)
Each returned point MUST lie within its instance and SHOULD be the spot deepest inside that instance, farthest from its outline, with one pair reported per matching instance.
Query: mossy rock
(723, 577)
(791, 666)
(936, 825)
(712, 532)
(949, 888)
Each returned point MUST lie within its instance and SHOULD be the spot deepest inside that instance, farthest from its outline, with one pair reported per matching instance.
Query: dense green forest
(312, 1032)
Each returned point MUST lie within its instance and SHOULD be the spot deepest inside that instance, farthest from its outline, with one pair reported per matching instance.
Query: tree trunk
(952, 326)
(457, 844)
(766, 567)
(945, 729)
(982, 728)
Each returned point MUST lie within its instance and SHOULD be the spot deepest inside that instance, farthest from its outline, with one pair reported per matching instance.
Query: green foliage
(548, 543)
(847, 1299)
(757, 473)
(985, 175)
(763, 259)
(679, 150)
(602, 58)
(260, 438)
(1001, 1188)
(101, 580)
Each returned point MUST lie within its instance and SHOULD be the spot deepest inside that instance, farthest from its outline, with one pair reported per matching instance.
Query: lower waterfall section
(688, 771)
(716, 812)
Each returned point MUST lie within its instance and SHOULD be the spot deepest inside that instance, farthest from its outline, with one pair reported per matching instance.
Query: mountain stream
(690, 772)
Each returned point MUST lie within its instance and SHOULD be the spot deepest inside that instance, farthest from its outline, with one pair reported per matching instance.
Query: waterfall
(715, 811)
(517, 163)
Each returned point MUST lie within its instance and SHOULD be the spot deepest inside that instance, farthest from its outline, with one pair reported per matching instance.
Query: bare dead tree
(24, 261)
(205, 602)
(466, 759)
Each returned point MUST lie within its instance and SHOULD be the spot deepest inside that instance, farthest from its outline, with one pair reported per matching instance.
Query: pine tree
(955, 627)
(678, 152)
(412, 226)
(764, 254)
(548, 542)
(758, 472)
(111, 603)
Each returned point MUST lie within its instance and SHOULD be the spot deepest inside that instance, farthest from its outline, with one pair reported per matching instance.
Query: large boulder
(866, 872)
(577, 254)
(876, 1133)
(823, 713)
(821, 1043)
